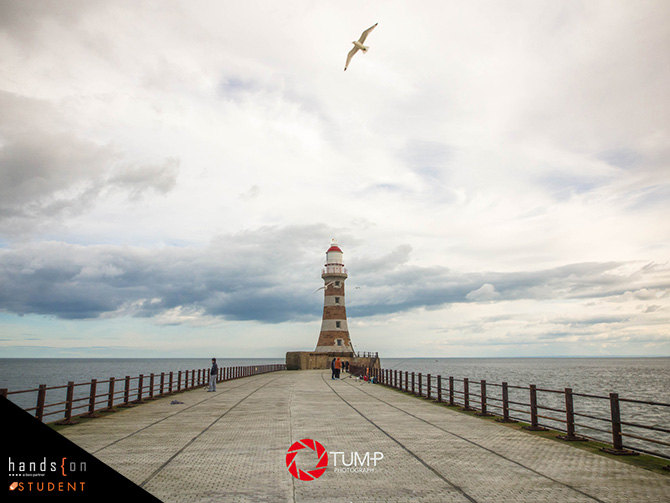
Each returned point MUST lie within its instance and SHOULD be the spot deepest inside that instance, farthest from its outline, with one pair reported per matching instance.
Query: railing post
(68, 406)
(569, 419)
(428, 386)
(413, 391)
(617, 439)
(91, 400)
(451, 391)
(126, 394)
(41, 397)
(126, 391)
(615, 412)
(505, 400)
(140, 385)
(178, 381)
(151, 386)
(406, 380)
(420, 384)
(162, 384)
(439, 388)
(484, 412)
(534, 424)
(110, 395)
(400, 380)
(466, 394)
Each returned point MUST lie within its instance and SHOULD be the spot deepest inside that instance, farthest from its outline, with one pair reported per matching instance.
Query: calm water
(646, 379)
(27, 373)
(638, 378)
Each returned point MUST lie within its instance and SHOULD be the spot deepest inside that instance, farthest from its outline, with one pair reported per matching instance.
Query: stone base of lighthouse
(310, 360)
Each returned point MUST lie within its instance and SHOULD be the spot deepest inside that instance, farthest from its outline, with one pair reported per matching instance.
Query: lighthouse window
(337, 324)
(337, 283)
(339, 342)
(337, 300)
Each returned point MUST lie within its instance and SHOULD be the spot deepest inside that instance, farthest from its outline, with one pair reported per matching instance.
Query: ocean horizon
(646, 375)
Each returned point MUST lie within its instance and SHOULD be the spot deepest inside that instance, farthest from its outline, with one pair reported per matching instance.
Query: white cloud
(486, 292)
(470, 139)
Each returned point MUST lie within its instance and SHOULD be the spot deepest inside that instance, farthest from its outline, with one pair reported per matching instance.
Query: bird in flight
(358, 44)
(325, 286)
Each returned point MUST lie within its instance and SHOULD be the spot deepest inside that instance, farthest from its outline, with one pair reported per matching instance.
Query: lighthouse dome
(334, 254)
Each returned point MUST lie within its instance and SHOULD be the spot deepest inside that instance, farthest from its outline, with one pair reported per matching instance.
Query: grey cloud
(246, 276)
(22, 20)
(160, 177)
(590, 321)
(49, 172)
(414, 287)
(269, 275)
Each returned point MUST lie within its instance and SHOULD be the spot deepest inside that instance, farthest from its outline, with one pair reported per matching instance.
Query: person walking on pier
(213, 373)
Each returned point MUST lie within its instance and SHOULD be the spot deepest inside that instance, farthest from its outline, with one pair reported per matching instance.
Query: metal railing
(334, 269)
(366, 354)
(88, 399)
(629, 426)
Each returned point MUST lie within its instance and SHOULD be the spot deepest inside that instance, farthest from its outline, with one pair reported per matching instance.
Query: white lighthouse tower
(334, 335)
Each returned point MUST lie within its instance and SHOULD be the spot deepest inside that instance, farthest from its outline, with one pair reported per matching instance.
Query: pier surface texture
(232, 445)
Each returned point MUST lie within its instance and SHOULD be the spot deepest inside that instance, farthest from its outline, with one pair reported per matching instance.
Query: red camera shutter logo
(320, 467)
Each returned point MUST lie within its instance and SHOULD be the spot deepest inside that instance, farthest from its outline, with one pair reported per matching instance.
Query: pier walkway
(231, 445)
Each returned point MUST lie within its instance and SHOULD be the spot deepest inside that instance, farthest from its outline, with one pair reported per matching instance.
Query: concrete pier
(231, 446)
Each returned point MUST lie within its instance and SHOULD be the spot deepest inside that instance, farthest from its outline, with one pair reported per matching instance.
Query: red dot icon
(317, 471)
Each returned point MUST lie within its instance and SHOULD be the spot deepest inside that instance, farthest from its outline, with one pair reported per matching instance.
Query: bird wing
(326, 285)
(365, 34)
(349, 56)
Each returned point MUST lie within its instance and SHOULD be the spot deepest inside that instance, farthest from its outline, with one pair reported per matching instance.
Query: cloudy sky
(496, 173)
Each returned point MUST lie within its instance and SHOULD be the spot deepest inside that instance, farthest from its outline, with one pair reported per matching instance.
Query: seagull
(358, 44)
(326, 285)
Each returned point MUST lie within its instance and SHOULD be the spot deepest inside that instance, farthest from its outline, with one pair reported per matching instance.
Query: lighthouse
(334, 335)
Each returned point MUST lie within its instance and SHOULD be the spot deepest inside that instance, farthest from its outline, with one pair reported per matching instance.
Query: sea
(642, 379)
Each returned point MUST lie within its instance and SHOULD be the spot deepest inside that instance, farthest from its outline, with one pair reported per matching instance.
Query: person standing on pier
(332, 369)
(338, 367)
(213, 373)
